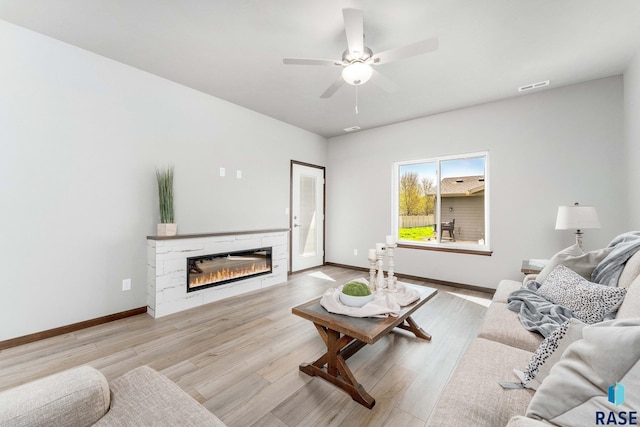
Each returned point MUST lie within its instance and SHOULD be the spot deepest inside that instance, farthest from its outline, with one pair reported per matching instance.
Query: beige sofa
(83, 397)
(473, 396)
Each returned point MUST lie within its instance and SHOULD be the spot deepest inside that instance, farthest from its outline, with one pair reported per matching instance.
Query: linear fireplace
(217, 269)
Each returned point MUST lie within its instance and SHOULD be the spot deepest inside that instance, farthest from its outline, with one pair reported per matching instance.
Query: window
(442, 203)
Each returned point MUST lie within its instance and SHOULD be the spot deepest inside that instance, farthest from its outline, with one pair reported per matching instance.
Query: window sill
(442, 248)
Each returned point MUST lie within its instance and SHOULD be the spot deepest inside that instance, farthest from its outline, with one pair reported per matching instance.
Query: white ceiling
(233, 49)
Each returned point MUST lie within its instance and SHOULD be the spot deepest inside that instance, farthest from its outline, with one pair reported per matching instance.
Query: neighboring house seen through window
(443, 202)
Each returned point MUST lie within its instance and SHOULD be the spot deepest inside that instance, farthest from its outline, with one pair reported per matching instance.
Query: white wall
(632, 138)
(80, 137)
(546, 149)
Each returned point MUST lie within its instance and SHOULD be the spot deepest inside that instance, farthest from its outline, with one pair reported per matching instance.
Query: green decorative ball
(356, 289)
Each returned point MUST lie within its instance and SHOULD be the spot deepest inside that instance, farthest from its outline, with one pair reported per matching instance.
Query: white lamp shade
(577, 217)
(357, 73)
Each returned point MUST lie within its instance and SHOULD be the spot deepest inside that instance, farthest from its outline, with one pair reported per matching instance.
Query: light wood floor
(239, 357)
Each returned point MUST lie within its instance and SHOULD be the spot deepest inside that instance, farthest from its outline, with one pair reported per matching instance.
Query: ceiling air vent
(352, 128)
(533, 86)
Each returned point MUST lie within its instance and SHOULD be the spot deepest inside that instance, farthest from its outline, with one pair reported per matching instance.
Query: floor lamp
(577, 218)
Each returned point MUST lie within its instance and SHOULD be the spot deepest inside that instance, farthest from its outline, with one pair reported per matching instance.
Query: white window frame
(437, 245)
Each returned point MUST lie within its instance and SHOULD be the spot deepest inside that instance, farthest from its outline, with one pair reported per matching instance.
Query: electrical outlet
(239, 174)
(355, 252)
(223, 171)
(126, 284)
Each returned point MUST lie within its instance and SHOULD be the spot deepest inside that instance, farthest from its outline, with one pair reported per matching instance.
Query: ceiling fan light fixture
(357, 73)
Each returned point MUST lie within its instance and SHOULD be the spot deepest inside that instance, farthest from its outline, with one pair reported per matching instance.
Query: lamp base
(579, 239)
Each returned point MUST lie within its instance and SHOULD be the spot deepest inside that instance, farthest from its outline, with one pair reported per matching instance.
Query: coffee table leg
(337, 372)
(413, 327)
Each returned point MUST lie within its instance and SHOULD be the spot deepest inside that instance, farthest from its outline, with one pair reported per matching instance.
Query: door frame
(324, 209)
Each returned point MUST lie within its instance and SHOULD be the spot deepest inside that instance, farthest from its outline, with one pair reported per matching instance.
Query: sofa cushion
(578, 385)
(505, 287)
(550, 351)
(77, 397)
(590, 302)
(522, 421)
(503, 325)
(473, 396)
(143, 396)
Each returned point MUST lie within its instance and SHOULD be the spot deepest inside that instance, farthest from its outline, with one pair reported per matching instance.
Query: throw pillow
(549, 352)
(630, 272)
(630, 307)
(578, 384)
(590, 302)
(576, 260)
(556, 260)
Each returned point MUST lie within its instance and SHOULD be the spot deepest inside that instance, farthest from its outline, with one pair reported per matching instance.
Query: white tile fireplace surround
(167, 267)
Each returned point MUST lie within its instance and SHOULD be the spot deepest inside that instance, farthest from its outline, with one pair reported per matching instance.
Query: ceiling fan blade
(418, 48)
(333, 88)
(354, 29)
(305, 61)
(384, 82)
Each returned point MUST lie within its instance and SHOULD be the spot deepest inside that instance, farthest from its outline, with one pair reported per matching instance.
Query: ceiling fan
(358, 59)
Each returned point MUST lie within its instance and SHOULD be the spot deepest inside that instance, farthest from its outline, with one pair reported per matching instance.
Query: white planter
(353, 301)
(167, 229)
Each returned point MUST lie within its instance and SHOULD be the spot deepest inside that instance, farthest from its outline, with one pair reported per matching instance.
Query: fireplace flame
(225, 274)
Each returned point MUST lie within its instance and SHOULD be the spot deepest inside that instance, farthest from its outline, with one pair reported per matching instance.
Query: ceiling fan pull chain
(356, 99)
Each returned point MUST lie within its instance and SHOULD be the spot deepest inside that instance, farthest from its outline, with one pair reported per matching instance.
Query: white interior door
(307, 217)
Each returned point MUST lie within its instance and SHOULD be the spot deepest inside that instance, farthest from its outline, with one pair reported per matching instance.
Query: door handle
(297, 225)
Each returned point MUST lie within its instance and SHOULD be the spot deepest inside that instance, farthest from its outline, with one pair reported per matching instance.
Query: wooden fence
(410, 221)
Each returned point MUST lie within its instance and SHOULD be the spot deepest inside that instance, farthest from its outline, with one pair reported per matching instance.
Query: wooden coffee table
(345, 335)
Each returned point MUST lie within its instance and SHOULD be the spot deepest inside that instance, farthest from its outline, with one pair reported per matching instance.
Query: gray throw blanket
(608, 271)
(535, 312)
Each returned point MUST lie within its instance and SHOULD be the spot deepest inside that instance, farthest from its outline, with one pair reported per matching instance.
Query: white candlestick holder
(391, 279)
(372, 275)
(380, 283)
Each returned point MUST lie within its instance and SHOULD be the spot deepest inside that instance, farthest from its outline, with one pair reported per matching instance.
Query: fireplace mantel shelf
(225, 233)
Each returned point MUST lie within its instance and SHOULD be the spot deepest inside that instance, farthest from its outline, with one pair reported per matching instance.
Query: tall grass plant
(165, 194)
